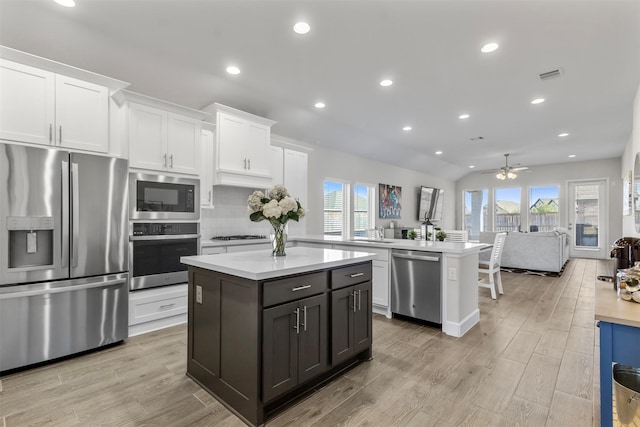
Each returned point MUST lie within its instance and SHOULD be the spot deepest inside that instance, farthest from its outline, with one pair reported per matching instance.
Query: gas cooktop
(240, 237)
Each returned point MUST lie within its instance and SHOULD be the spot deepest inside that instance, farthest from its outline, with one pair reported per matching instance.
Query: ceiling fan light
(501, 176)
(512, 175)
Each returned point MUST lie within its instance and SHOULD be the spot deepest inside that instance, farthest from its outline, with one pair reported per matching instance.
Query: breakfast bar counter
(619, 323)
(264, 331)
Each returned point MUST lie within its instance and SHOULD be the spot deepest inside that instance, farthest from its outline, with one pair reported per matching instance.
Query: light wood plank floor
(531, 361)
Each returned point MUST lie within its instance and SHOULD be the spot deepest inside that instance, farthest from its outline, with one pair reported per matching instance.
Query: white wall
(627, 163)
(330, 164)
(557, 174)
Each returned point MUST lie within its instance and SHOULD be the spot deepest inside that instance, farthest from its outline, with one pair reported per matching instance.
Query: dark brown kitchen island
(264, 331)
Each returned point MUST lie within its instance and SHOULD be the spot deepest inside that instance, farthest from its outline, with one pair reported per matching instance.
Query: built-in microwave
(163, 197)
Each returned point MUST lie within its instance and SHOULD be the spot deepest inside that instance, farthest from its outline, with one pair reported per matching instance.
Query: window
(363, 209)
(544, 208)
(476, 212)
(507, 209)
(335, 207)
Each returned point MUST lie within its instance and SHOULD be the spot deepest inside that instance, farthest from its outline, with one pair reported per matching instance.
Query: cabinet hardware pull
(249, 163)
(356, 275)
(209, 195)
(354, 301)
(60, 133)
(50, 133)
(168, 305)
(297, 327)
(164, 160)
(245, 163)
(359, 295)
(304, 317)
(299, 288)
(171, 161)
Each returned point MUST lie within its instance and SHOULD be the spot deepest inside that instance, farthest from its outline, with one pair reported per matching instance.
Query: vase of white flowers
(277, 207)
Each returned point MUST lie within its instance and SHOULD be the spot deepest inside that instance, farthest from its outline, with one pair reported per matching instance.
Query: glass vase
(278, 239)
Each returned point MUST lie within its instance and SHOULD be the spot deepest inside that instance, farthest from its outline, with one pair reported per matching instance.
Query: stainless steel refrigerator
(63, 253)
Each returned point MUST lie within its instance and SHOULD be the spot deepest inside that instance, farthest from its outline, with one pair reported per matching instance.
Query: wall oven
(163, 197)
(155, 249)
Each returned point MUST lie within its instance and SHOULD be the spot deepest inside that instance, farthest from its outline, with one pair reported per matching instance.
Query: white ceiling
(178, 51)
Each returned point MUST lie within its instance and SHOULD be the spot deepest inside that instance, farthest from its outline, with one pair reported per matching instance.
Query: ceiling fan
(507, 171)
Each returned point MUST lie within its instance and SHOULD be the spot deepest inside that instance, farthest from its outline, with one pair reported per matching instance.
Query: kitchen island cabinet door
(312, 351)
(342, 310)
(280, 349)
(362, 317)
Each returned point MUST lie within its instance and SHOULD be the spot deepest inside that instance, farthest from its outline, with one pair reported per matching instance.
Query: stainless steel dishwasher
(415, 285)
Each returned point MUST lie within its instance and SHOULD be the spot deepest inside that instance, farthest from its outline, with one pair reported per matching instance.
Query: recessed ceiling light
(319, 105)
(438, 152)
(562, 135)
(471, 166)
(537, 101)
(386, 82)
(572, 155)
(489, 47)
(232, 69)
(301, 27)
(407, 128)
(463, 116)
(66, 3)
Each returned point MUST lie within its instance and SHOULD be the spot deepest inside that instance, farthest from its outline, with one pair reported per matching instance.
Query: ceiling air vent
(550, 74)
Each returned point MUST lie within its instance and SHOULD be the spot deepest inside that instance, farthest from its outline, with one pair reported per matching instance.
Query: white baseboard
(458, 329)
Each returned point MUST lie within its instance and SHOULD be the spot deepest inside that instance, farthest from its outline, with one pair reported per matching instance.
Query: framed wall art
(390, 201)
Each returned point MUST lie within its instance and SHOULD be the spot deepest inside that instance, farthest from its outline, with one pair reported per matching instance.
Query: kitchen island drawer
(293, 288)
(347, 276)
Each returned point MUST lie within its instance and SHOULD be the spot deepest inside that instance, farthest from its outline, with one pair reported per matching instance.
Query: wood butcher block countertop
(610, 308)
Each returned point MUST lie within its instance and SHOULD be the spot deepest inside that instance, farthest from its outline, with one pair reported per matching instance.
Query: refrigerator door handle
(64, 238)
(36, 292)
(75, 214)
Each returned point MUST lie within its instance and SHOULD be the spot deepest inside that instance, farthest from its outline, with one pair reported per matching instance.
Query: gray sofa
(542, 251)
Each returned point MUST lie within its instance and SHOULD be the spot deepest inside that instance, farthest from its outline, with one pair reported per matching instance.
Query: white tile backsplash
(229, 214)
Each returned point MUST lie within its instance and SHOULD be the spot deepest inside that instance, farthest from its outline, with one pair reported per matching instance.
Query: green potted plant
(441, 235)
(411, 234)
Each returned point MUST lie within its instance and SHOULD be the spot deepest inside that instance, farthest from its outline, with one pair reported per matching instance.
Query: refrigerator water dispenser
(30, 241)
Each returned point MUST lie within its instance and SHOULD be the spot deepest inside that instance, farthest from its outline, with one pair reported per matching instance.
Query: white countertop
(416, 245)
(217, 243)
(261, 265)
(459, 248)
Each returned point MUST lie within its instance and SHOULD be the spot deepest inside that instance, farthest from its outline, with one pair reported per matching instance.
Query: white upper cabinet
(207, 149)
(163, 136)
(243, 156)
(42, 107)
(295, 179)
(277, 164)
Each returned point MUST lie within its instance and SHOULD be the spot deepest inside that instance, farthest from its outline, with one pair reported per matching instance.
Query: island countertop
(261, 265)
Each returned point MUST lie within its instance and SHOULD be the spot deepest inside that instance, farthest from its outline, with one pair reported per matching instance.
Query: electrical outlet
(453, 273)
(199, 294)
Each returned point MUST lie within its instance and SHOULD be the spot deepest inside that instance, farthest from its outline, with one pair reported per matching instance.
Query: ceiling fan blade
(521, 168)
(491, 171)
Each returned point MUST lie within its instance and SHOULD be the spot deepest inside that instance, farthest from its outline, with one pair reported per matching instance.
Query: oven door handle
(165, 237)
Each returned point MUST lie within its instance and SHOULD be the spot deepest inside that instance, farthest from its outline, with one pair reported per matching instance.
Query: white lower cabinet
(249, 247)
(157, 308)
(211, 250)
(381, 288)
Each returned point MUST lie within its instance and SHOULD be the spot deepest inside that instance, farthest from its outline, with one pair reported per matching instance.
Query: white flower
(288, 204)
(278, 192)
(255, 201)
(301, 212)
(272, 209)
